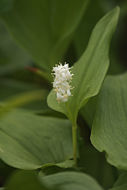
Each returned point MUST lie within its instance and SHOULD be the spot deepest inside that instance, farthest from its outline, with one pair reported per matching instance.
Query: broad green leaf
(121, 183)
(90, 70)
(43, 28)
(109, 131)
(70, 181)
(28, 141)
(24, 180)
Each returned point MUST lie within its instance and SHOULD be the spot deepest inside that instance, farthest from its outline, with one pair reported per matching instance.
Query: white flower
(61, 84)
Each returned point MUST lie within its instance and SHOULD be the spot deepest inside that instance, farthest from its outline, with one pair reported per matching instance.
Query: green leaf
(121, 183)
(24, 180)
(90, 70)
(28, 141)
(43, 28)
(70, 181)
(109, 132)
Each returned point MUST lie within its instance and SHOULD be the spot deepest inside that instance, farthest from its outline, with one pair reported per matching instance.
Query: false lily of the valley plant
(63, 112)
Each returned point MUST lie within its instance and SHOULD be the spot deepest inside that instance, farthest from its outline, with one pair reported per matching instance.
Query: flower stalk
(62, 79)
(74, 139)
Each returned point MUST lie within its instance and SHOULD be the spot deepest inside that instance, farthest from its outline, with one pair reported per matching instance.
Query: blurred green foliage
(34, 36)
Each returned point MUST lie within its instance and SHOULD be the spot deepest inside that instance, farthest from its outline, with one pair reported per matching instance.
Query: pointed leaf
(28, 141)
(90, 70)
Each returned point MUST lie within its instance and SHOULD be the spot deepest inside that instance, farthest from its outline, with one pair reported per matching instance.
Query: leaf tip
(117, 11)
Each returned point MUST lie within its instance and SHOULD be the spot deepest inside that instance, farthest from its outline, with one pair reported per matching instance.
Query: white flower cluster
(61, 84)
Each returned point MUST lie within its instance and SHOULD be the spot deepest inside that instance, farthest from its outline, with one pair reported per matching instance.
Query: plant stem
(74, 138)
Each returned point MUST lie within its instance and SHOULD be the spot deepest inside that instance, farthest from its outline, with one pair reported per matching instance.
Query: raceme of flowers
(62, 79)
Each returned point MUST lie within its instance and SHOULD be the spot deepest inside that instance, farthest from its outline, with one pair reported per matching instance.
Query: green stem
(74, 138)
